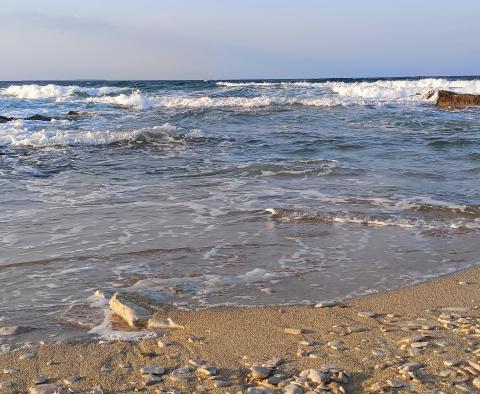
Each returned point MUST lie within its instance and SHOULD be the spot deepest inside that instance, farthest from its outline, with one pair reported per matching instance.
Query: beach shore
(425, 339)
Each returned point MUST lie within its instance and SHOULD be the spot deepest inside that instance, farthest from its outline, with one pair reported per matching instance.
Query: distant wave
(17, 134)
(137, 100)
(383, 89)
(34, 91)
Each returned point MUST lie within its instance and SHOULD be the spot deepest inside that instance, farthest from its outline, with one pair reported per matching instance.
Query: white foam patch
(59, 92)
(17, 134)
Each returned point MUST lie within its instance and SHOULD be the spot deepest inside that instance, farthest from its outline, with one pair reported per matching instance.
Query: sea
(228, 193)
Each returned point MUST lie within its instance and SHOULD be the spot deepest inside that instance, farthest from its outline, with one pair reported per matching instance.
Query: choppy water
(247, 193)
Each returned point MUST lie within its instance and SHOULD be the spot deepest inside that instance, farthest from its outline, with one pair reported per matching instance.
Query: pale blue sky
(223, 39)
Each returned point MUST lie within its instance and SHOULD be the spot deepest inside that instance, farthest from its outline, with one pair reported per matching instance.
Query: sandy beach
(424, 339)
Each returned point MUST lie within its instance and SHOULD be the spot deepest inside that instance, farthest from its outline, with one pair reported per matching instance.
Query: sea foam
(59, 92)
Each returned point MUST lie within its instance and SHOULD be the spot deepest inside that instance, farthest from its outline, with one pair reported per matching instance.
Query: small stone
(39, 380)
(44, 389)
(378, 352)
(451, 363)
(411, 366)
(97, 390)
(474, 364)
(419, 345)
(302, 353)
(293, 331)
(293, 389)
(367, 314)
(476, 382)
(396, 384)
(162, 343)
(10, 371)
(26, 356)
(6, 385)
(222, 383)
(336, 345)
(183, 374)
(308, 342)
(207, 370)
(152, 370)
(260, 373)
(13, 330)
(123, 305)
(71, 379)
(328, 304)
(151, 379)
(194, 339)
(126, 365)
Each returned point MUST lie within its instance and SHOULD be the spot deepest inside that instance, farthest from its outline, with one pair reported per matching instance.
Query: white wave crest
(59, 92)
(374, 90)
(402, 89)
(17, 134)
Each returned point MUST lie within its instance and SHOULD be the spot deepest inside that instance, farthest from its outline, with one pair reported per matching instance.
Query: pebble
(10, 371)
(474, 364)
(39, 380)
(5, 385)
(207, 370)
(293, 331)
(378, 352)
(308, 342)
(97, 390)
(222, 383)
(71, 379)
(302, 353)
(476, 382)
(44, 389)
(336, 345)
(451, 363)
(183, 374)
(163, 343)
(367, 314)
(151, 379)
(328, 304)
(259, 373)
(419, 345)
(26, 356)
(194, 339)
(152, 370)
(293, 389)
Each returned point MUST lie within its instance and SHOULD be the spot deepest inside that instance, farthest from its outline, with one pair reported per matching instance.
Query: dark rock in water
(39, 117)
(73, 113)
(452, 99)
(5, 119)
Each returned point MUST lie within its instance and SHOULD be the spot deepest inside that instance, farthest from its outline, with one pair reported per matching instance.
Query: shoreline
(421, 338)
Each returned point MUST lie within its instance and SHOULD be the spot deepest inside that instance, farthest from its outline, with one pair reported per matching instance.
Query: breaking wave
(439, 224)
(59, 92)
(16, 134)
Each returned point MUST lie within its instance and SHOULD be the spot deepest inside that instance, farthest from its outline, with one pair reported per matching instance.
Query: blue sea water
(202, 193)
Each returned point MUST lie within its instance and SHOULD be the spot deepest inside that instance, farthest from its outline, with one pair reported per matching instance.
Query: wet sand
(425, 339)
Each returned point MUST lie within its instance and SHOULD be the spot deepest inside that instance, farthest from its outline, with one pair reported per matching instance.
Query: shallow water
(242, 193)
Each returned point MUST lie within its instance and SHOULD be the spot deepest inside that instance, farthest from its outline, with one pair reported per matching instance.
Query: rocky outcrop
(5, 119)
(447, 98)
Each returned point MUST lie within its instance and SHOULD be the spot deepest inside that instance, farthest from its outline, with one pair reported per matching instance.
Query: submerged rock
(5, 119)
(42, 118)
(447, 98)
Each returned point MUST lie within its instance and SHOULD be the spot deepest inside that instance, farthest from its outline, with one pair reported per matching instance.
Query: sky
(233, 39)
